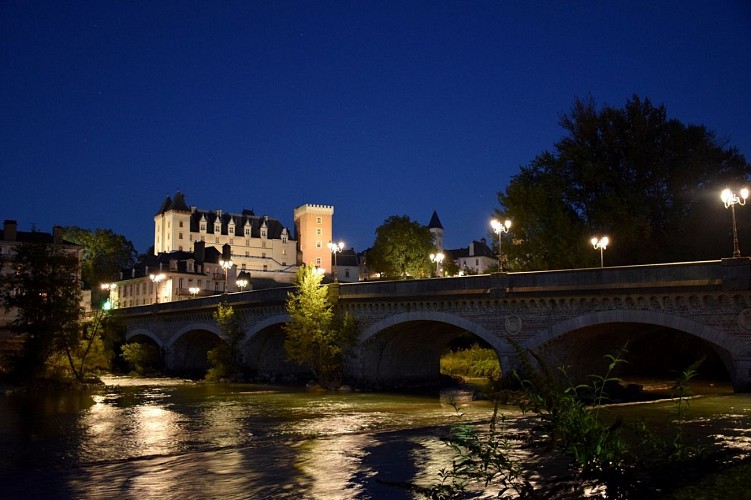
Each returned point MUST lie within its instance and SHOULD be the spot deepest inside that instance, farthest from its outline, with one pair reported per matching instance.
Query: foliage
(402, 249)
(480, 459)
(104, 255)
(142, 357)
(473, 362)
(649, 182)
(316, 334)
(610, 458)
(223, 359)
(44, 290)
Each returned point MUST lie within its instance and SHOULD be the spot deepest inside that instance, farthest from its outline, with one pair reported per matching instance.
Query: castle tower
(172, 225)
(437, 229)
(314, 228)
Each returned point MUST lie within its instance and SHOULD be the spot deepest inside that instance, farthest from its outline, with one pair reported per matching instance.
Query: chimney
(9, 230)
(57, 235)
(199, 251)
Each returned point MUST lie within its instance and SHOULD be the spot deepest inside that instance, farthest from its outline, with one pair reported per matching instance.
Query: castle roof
(435, 222)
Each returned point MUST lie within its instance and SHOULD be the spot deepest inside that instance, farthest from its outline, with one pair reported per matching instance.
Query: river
(168, 438)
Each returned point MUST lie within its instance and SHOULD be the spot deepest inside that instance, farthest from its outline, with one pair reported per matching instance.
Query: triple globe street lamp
(156, 279)
(731, 199)
(600, 244)
(109, 304)
(335, 249)
(500, 228)
(437, 259)
(226, 265)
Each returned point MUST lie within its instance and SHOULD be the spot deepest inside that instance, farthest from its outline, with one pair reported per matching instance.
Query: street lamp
(110, 303)
(194, 291)
(335, 248)
(243, 279)
(226, 265)
(437, 258)
(500, 229)
(730, 199)
(156, 278)
(600, 244)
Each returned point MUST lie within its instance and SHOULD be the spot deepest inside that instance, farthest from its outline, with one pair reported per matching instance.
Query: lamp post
(194, 291)
(243, 280)
(731, 199)
(500, 229)
(600, 244)
(437, 258)
(335, 249)
(156, 279)
(110, 303)
(226, 265)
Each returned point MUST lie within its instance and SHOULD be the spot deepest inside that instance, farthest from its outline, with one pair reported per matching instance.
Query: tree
(104, 255)
(316, 334)
(402, 249)
(224, 357)
(44, 290)
(650, 183)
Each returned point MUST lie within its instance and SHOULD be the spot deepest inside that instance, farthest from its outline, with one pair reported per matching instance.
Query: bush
(473, 362)
(142, 358)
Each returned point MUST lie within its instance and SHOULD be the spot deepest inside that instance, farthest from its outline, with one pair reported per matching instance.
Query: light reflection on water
(175, 439)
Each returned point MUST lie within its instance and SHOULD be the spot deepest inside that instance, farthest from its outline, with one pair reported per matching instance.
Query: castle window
(319, 231)
(203, 226)
(181, 223)
(319, 244)
(319, 220)
(318, 262)
(180, 236)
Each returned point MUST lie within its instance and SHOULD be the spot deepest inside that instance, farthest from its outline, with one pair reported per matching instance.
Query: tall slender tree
(317, 335)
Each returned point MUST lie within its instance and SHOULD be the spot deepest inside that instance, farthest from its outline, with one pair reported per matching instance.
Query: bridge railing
(726, 274)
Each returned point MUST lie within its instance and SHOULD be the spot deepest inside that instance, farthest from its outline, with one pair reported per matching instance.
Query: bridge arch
(263, 354)
(405, 349)
(136, 332)
(187, 349)
(723, 345)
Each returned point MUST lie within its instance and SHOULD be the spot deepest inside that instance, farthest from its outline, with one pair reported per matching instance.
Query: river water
(166, 438)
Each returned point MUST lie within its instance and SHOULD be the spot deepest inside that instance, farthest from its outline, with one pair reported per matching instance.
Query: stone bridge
(670, 315)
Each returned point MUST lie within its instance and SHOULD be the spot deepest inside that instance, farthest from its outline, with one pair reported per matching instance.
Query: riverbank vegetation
(571, 445)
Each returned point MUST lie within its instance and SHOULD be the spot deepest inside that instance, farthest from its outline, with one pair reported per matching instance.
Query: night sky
(378, 108)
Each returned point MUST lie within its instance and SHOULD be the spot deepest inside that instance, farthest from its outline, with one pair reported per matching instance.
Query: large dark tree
(402, 249)
(44, 291)
(104, 255)
(650, 183)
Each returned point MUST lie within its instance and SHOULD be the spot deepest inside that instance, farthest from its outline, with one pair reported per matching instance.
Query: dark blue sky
(377, 108)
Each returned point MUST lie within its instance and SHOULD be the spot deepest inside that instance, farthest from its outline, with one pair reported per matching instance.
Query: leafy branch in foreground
(570, 424)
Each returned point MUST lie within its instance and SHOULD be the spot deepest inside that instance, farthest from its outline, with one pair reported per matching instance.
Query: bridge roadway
(669, 313)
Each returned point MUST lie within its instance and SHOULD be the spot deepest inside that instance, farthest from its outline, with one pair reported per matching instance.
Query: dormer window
(217, 228)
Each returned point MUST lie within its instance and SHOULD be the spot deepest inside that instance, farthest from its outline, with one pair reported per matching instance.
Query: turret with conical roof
(436, 228)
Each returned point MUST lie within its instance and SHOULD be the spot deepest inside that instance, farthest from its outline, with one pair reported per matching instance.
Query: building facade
(260, 245)
(314, 227)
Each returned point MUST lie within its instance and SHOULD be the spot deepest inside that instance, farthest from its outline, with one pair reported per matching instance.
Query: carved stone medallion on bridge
(744, 319)
(513, 324)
